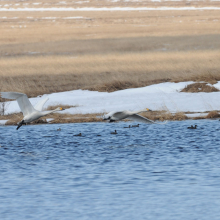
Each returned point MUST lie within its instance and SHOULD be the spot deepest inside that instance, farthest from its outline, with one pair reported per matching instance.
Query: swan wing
(140, 118)
(120, 115)
(22, 99)
(40, 104)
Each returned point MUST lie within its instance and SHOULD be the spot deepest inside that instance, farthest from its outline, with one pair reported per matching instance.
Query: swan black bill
(20, 124)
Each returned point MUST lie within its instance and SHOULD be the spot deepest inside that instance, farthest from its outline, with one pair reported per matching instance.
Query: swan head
(107, 116)
(59, 109)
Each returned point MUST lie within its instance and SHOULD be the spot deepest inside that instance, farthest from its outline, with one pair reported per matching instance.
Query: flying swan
(116, 116)
(30, 113)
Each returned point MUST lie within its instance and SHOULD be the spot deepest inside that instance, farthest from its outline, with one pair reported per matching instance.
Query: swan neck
(48, 112)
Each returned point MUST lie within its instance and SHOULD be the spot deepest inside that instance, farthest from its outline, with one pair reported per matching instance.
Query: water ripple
(153, 171)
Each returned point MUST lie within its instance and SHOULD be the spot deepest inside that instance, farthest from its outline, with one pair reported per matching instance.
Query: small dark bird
(114, 132)
(192, 127)
(128, 126)
(78, 134)
(136, 125)
(59, 129)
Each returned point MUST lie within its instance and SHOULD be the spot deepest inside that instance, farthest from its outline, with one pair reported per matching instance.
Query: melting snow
(164, 96)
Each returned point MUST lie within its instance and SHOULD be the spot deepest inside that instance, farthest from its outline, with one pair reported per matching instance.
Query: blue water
(149, 172)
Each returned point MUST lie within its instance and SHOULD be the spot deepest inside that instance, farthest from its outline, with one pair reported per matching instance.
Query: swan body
(30, 112)
(116, 116)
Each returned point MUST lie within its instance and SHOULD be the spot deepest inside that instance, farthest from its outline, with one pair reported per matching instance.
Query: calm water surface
(149, 172)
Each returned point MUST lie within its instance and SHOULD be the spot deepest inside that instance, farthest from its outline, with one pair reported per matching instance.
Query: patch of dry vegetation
(106, 51)
(164, 115)
(105, 3)
(199, 87)
(57, 118)
(77, 118)
(52, 107)
(40, 75)
(213, 114)
(13, 119)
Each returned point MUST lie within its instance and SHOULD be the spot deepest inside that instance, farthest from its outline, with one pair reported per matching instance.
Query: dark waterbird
(115, 132)
(80, 134)
(128, 126)
(192, 127)
(135, 125)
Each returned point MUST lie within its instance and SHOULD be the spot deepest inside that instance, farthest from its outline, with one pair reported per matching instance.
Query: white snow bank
(49, 119)
(196, 115)
(2, 122)
(111, 9)
(163, 96)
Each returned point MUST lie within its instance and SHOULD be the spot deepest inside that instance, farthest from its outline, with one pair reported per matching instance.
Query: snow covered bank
(2, 122)
(164, 96)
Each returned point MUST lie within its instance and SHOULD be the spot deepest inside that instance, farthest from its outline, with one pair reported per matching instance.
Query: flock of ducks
(130, 126)
(114, 132)
(32, 113)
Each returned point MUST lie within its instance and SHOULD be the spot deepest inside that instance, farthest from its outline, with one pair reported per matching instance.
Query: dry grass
(77, 118)
(213, 114)
(44, 52)
(13, 119)
(165, 115)
(199, 87)
(106, 3)
(52, 107)
(39, 75)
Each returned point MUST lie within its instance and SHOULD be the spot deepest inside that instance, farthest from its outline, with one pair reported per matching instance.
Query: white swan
(30, 113)
(116, 116)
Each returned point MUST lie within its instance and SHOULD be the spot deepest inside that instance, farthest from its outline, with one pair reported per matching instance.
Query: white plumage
(120, 115)
(30, 113)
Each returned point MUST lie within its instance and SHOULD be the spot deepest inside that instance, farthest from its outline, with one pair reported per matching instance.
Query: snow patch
(3, 122)
(163, 96)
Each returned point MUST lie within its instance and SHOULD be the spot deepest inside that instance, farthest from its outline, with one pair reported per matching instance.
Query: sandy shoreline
(111, 9)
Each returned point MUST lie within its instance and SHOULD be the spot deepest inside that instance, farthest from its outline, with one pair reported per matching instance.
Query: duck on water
(192, 127)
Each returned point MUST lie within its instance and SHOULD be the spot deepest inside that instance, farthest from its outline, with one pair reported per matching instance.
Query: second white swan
(120, 115)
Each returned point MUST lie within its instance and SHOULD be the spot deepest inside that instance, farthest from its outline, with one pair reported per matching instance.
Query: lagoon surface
(147, 172)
